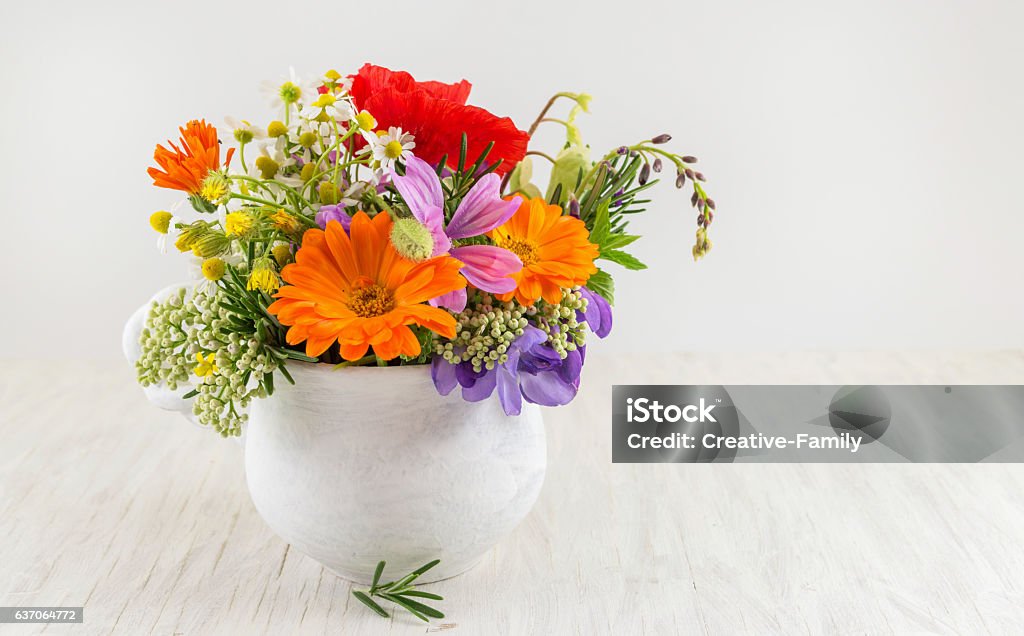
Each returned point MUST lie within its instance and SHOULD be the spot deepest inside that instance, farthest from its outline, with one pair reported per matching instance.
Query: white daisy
(243, 131)
(352, 195)
(175, 218)
(306, 138)
(334, 107)
(339, 84)
(290, 91)
(388, 147)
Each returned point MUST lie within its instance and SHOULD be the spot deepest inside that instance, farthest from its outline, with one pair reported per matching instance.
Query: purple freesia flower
(534, 372)
(598, 315)
(337, 213)
(479, 385)
(486, 267)
(547, 379)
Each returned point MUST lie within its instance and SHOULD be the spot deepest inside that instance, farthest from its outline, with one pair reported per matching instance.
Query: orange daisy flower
(360, 292)
(185, 168)
(554, 248)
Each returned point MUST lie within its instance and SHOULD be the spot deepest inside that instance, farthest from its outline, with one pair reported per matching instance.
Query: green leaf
(397, 600)
(417, 593)
(420, 607)
(369, 602)
(622, 258)
(268, 382)
(419, 610)
(424, 568)
(463, 148)
(602, 226)
(601, 283)
(287, 376)
(481, 159)
(376, 575)
(618, 240)
(295, 355)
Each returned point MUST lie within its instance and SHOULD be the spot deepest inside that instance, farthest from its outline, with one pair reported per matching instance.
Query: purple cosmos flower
(486, 267)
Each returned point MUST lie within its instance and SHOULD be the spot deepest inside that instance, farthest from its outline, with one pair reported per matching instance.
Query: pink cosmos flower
(486, 267)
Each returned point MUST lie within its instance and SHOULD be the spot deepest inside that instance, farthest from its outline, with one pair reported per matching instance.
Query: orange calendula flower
(360, 292)
(555, 250)
(184, 168)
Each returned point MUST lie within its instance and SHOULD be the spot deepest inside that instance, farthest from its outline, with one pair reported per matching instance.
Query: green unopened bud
(267, 166)
(210, 244)
(282, 254)
(328, 192)
(189, 234)
(519, 181)
(566, 171)
(307, 172)
(412, 240)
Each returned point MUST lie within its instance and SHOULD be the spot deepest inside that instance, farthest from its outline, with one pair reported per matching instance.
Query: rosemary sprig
(402, 593)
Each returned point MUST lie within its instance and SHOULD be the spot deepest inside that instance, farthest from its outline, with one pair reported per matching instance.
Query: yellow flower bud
(216, 187)
(263, 277)
(286, 223)
(160, 221)
(276, 129)
(213, 268)
(239, 223)
(307, 172)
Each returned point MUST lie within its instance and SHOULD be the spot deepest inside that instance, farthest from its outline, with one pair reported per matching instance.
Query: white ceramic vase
(358, 465)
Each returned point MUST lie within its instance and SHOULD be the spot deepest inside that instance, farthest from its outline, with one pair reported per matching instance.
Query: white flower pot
(358, 465)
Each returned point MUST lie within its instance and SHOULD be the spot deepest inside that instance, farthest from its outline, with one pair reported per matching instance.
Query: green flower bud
(412, 240)
(328, 192)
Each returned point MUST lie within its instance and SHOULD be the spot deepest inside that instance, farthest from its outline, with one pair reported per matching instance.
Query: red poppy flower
(373, 79)
(437, 114)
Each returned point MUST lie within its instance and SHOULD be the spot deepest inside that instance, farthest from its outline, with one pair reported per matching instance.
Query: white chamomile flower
(290, 91)
(328, 106)
(272, 160)
(243, 131)
(336, 83)
(364, 121)
(352, 195)
(388, 147)
(306, 138)
(164, 221)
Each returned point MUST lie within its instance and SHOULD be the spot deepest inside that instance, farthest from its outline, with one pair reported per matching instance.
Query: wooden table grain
(143, 519)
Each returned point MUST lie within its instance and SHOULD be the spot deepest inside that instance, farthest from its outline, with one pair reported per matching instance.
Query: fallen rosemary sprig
(402, 593)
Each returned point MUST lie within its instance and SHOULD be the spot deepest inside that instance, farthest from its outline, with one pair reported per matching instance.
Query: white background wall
(866, 157)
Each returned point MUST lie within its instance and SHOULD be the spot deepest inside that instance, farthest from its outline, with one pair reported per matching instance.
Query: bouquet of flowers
(380, 220)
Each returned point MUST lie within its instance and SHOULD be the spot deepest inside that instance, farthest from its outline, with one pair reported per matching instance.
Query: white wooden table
(110, 504)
